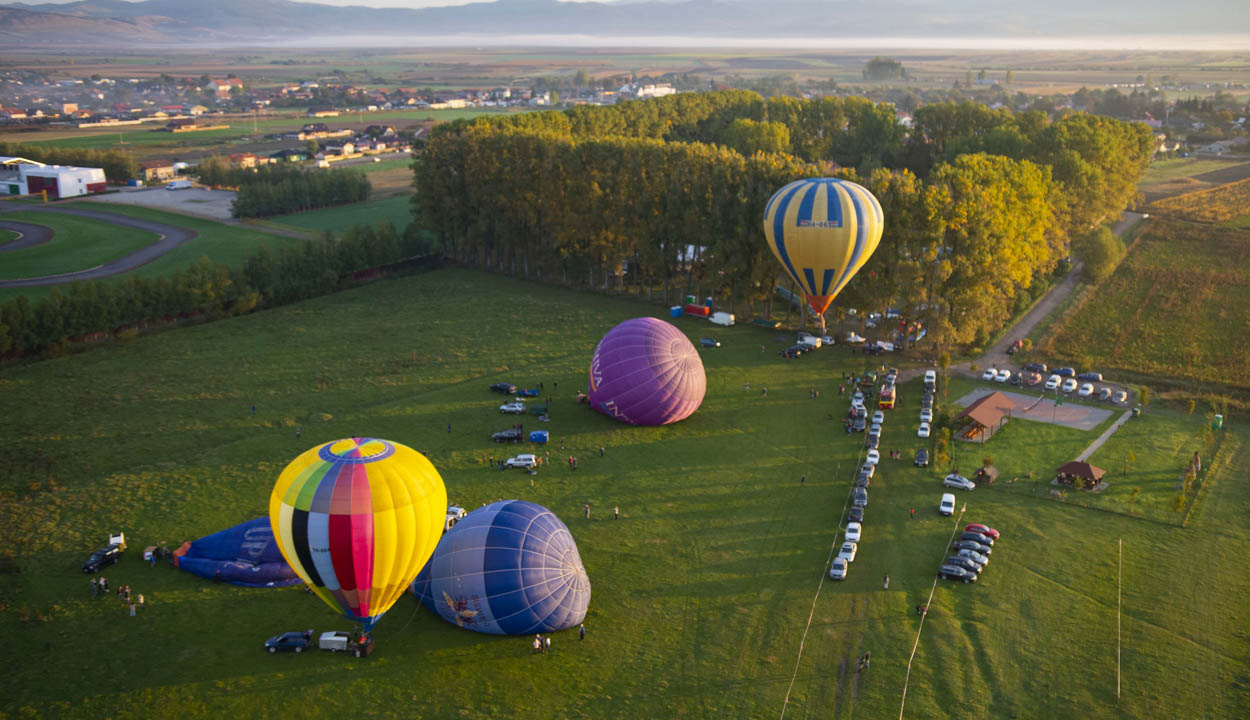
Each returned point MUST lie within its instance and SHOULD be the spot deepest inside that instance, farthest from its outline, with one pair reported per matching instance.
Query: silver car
(959, 482)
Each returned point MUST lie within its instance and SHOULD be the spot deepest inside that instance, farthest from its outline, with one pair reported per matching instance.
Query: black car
(972, 545)
(856, 514)
(1015, 380)
(1090, 377)
(1011, 350)
(793, 351)
(709, 342)
(859, 497)
(957, 572)
(860, 424)
(922, 458)
(102, 557)
(503, 387)
(1064, 372)
(963, 562)
(289, 642)
(1035, 367)
(863, 479)
(873, 442)
(978, 537)
(509, 435)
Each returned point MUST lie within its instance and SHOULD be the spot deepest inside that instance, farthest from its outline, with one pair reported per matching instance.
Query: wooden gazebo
(987, 415)
(1080, 475)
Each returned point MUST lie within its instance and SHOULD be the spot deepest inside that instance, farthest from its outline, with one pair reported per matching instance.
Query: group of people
(100, 587)
(542, 643)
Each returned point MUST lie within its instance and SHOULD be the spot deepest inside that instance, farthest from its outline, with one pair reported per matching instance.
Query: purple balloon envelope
(646, 372)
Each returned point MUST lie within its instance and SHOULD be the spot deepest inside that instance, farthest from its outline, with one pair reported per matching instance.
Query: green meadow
(704, 591)
(77, 244)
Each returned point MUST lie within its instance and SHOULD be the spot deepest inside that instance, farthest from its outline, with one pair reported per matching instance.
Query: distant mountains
(182, 22)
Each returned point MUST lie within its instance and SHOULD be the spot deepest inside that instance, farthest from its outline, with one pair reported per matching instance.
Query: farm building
(19, 176)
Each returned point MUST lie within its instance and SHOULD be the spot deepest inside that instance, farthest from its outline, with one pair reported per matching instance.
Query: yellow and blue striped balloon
(823, 230)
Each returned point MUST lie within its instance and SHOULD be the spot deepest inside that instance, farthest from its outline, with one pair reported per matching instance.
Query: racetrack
(171, 237)
(28, 235)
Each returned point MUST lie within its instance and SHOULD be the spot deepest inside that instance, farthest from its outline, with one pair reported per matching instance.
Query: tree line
(667, 195)
(278, 189)
(118, 166)
(267, 278)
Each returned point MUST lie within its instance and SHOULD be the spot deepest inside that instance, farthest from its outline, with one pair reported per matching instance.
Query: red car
(983, 529)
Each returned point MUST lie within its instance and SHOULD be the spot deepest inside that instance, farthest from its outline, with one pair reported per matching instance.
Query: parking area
(202, 202)
(1031, 407)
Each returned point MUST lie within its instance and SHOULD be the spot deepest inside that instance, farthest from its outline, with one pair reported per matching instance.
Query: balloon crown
(356, 450)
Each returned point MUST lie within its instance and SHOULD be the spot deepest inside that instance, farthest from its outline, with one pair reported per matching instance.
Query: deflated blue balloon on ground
(245, 554)
(646, 372)
(510, 568)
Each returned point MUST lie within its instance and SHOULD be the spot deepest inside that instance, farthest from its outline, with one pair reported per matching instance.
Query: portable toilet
(538, 436)
(690, 299)
(675, 311)
(707, 301)
(1217, 423)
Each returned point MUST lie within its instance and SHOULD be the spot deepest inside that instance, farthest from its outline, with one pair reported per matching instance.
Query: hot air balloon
(822, 230)
(356, 519)
(510, 568)
(646, 372)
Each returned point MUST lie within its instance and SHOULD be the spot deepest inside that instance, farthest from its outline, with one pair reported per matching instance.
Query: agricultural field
(398, 210)
(704, 590)
(77, 244)
(1219, 204)
(1177, 307)
(218, 242)
(1167, 180)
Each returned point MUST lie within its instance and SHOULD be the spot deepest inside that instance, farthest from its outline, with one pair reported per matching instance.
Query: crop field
(1218, 204)
(218, 242)
(398, 210)
(703, 591)
(78, 244)
(1177, 307)
(1168, 179)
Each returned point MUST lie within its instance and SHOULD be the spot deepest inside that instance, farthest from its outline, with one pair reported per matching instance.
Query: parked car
(1032, 379)
(1121, 397)
(922, 458)
(525, 460)
(974, 556)
(1069, 385)
(859, 496)
(875, 429)
(856, 513)
(972, 545)
(1052, 383)
(1090, 376)
(793, 351)
(289, 642)
(947, 505)
(977, 537)
(955, 572)
(863, 479)
(930, 377)
(1065, 372)
(1104, 394)
(839, 568)
(966, 563)
(872, 457)
(958, 482)
(1002, 376)
(503, 387)
(848, 551)
(989, 374)
(859, 424)
(853, 532)
(857, 398)
(878, 417)
(455, 514)
(983, 529)
(103, 557)
(923, 431)
(709, 342)
(872, 442)
(515, 408)
(1035, 367)
(869, 468)
(1086, 390)
(509, 435)
(926, 415)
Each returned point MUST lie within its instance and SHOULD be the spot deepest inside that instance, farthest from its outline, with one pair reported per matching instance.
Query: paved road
(171, 237)
(27, 235)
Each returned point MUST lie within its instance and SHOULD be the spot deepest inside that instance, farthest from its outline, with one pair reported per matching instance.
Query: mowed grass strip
(398, 210)
(1178, 306)
(78, 244)
(701, 591)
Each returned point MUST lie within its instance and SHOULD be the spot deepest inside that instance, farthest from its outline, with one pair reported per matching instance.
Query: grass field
(7, 236)
(1218, 204)
(701, 591)
(1162, 171)
(337, 219)
(78, 244)
(220, 243)
(1178, 306)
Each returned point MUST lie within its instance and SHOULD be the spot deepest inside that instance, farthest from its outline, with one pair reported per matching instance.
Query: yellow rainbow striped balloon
(822, 231)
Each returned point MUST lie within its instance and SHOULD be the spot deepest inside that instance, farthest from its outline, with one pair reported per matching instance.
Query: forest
(280, 189)
(665, 197)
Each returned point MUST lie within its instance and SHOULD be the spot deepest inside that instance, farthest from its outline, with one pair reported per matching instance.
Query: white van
(930, 377)
(721, 318)
(947, 506)
(178, 185)
(809, 340)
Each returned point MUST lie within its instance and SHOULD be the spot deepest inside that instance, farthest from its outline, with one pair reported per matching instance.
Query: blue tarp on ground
(245, 554)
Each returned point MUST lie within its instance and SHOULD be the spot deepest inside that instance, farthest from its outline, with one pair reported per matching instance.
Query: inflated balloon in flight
(357, 519)
(822, 231)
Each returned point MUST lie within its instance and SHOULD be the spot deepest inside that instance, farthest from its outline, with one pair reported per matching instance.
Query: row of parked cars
(859, 494)
(926, 404)
(1064, 379)
(807, 342)
(970, 553)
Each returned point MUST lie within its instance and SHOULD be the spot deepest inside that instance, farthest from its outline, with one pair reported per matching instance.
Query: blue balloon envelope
(510, 568)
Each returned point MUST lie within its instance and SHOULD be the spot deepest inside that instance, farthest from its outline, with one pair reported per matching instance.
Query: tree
(1010, 77)
(1190, 406)
(749, 137)
(312, 147)
(882, 69)
(1143, 394)
(580, 79)
(1102, 251)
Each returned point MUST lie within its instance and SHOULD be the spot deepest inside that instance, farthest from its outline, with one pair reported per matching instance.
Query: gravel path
(1093, 447)
(171, 237)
